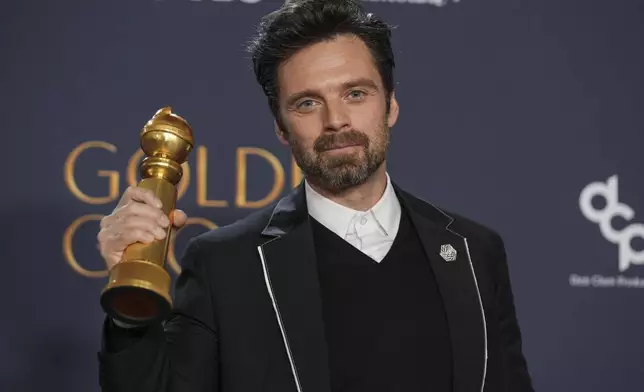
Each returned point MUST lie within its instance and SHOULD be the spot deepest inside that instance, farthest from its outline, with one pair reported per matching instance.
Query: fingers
(141, 195)
(128, 230)
(147, 226)
(178, 218)
(137, 218)
(138, 209)
(145, 211)
(122, 239)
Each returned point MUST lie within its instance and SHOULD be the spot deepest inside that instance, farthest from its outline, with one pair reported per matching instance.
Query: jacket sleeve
(179, 355)
(516, 377)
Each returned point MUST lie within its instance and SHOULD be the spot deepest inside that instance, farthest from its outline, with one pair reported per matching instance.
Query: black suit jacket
(247, 314)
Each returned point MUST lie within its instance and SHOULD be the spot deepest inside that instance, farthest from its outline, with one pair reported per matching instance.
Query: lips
(339, 146)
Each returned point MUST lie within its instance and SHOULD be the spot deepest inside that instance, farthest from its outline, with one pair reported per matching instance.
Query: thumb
(178, 218)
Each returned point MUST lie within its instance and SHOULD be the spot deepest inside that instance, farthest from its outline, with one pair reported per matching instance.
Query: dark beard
(337, 174)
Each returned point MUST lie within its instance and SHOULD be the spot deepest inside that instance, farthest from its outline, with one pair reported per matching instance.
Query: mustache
(339, 140)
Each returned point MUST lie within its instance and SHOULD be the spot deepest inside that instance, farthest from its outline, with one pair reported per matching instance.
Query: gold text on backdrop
(195, 179)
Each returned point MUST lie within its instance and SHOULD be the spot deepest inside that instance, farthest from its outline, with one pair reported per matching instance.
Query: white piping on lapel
(476, 284)
(478, 292)
(269, 287)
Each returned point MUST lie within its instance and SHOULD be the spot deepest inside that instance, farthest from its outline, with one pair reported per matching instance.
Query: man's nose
(336, 116)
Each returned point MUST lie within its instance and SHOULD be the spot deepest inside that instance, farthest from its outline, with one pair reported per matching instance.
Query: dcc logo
(604, 217)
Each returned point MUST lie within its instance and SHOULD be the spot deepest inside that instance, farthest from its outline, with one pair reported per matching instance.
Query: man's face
(333, 108)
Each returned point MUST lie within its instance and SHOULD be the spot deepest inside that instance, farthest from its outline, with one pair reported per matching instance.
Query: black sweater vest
(385, 324)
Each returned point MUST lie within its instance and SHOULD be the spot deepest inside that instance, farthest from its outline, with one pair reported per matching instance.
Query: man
(348, 283)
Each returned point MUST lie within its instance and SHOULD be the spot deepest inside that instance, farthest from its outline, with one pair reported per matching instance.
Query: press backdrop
(524, 115)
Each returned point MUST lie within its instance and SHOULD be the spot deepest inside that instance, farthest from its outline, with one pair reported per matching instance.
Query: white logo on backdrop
(603, 217)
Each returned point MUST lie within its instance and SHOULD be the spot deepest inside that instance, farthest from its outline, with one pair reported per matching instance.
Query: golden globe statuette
(138, 290)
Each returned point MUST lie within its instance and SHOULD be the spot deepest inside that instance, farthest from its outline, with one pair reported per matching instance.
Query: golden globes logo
(198, 177)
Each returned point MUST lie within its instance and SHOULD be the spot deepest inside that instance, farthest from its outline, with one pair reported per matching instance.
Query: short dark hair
(300, 23)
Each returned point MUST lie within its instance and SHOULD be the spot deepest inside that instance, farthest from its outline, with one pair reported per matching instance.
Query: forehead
(327, 64)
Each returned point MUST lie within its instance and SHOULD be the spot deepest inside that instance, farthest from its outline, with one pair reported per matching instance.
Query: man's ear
(394, 110)
(280, 133)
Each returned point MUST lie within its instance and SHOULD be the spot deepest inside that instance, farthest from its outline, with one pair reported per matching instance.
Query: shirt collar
(337, 217)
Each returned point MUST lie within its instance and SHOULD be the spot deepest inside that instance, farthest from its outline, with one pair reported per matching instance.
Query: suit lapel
(449, 256)
(290, 273)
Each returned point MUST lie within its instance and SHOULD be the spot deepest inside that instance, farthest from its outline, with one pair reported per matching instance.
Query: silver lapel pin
(448, 253)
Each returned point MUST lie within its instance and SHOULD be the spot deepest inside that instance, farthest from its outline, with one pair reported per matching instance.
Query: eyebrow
(360, 82)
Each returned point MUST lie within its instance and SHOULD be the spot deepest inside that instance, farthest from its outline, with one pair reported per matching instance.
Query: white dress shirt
(372, 231)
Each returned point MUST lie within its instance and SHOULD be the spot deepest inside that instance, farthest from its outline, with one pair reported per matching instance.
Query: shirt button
(363, 221)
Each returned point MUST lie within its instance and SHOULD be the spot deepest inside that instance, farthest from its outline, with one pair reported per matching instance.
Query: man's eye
(356, 94)
(306, 104)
